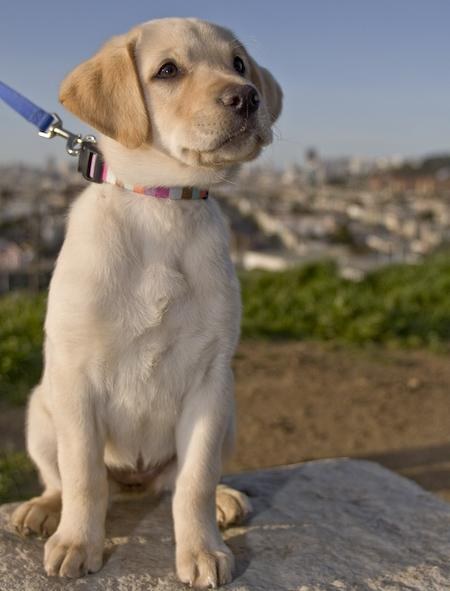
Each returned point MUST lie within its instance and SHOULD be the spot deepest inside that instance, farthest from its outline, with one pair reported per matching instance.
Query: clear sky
(364, 77)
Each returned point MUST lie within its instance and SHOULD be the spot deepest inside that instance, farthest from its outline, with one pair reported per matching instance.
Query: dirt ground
(301, 401)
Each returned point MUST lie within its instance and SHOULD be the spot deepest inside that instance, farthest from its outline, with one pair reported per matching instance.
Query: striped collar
(161, 192)
(97, 168)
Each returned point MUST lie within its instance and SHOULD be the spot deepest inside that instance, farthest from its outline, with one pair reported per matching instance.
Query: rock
(414, 383)
(332, 525)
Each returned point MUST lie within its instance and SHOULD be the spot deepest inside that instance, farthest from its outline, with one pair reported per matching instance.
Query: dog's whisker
(224, 179)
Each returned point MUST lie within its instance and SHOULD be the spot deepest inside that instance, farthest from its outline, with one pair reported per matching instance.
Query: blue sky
(360, 77)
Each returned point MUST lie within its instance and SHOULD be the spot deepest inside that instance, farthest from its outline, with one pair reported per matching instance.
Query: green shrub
(17, 477)
(405, 305)
(21, 319)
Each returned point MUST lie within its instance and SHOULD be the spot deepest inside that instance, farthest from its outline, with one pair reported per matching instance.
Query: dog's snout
(244, 99)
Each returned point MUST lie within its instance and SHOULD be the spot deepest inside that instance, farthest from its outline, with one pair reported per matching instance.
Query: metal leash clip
(90, 159)
(74, 141)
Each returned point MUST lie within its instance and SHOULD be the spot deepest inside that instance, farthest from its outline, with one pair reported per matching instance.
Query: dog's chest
(175, 315)
(174, 311)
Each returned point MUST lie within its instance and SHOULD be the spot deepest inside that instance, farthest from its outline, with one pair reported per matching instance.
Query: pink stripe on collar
(160, 192)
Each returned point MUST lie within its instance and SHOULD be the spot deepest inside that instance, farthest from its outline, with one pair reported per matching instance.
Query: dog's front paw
(205, 567)
(38, 516)
(67, 557)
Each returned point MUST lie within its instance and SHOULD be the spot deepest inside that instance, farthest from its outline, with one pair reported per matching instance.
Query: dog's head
(184, 86)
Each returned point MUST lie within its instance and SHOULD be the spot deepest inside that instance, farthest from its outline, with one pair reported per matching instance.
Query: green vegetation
(21, 319)
(17, 477)
(402, 305)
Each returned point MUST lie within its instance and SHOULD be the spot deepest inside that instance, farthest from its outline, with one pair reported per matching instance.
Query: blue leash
(50, 125)
(29, 111)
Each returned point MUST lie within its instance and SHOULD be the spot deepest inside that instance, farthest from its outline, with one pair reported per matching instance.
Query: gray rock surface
(337, 525)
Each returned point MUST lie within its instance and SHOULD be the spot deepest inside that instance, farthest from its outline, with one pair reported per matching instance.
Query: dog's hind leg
(41, 515)
(232, 506)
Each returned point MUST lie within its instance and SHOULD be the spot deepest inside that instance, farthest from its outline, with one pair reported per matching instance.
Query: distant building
(314, 170)
(11, 256)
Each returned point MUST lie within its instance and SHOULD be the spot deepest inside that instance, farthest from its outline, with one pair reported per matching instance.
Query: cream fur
(143, 316)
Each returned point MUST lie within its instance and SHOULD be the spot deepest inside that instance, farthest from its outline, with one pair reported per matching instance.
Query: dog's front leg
(202, 558)
(76, 547)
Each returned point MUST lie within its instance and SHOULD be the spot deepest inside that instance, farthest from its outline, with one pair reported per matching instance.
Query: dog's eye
(239, 65)
(168, 70)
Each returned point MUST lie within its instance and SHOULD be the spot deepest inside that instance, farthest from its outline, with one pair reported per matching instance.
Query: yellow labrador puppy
(144, 309)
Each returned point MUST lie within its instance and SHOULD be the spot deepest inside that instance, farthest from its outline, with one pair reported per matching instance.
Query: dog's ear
(269, 88)
(105, 92)
(272, 93)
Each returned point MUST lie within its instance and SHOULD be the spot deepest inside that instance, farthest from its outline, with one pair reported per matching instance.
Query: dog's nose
(244, 99)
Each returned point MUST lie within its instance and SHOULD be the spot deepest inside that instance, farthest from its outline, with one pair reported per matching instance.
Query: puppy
(144, 308)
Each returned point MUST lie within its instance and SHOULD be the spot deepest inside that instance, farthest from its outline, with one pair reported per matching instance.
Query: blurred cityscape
(363, 213)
